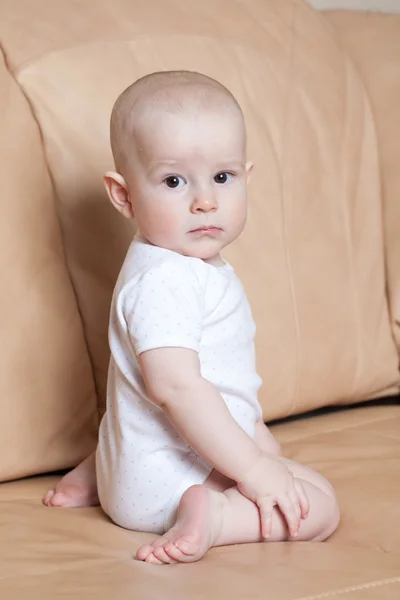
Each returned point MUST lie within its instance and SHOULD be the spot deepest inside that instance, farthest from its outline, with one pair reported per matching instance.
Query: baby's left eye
(223, 177)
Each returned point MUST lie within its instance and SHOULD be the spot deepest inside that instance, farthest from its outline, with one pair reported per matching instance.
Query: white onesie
(163, 299)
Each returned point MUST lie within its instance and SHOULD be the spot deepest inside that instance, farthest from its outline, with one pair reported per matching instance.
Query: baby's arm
(266, 441)
(198, 412)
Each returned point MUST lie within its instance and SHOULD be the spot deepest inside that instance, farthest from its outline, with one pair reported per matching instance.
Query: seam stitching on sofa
(288, 112)
(54, 190)
(353, 588)
(386, 437)
(333, 430)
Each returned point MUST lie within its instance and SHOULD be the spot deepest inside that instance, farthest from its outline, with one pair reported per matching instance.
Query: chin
(203, 251)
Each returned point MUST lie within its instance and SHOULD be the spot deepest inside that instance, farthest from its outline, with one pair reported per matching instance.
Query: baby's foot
(70, 496)
(194, 533)
(76, 489)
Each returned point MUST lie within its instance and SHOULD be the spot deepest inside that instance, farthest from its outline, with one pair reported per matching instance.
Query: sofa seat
(79, 553)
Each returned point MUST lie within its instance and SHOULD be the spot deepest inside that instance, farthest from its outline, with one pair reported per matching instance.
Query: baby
(183, 451)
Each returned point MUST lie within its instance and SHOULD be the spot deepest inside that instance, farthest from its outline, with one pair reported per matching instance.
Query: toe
(162, 555)
(160, 541)
(144, 552)
(173, 552)
(151, 559)
(58, 499)
(187, 546)
(48, 497)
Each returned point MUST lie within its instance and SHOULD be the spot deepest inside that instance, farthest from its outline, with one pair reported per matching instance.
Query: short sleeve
(164, 308)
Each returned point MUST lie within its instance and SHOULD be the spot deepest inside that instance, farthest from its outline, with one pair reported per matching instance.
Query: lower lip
(213, 231)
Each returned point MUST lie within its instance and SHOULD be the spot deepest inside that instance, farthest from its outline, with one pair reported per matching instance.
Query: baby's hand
(269, 484)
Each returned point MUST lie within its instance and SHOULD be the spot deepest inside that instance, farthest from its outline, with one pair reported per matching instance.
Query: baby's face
(188, 182)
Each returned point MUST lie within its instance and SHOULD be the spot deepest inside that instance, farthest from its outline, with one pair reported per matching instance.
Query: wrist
(251, 467)
(257, 468)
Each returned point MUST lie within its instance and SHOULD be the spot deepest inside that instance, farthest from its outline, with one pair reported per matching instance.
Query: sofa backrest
(378, 65)
(48, 401)
(311, 258)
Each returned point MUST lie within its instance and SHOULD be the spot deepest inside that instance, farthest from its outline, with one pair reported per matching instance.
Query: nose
(204, 202)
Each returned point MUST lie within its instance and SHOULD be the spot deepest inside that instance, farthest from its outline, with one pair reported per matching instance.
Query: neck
(215, 261)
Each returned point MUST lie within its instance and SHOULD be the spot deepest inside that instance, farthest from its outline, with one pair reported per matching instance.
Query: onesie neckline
(224, 267)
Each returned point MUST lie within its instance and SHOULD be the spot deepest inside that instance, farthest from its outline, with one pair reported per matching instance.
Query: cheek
(240, 221)
(238, 211)
(161, 219)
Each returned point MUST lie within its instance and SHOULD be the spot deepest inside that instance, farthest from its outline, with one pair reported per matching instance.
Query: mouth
(207, 229)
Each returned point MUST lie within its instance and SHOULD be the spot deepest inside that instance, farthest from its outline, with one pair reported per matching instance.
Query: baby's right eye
(173, 181)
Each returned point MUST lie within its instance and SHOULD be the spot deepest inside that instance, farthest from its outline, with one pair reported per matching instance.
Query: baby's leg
(77, 488)
(210, 517)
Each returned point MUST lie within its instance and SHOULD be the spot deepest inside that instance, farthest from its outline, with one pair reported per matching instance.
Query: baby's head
(179, 145)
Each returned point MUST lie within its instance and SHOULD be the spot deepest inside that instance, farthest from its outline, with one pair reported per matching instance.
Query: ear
(249, 170)
(118, 193)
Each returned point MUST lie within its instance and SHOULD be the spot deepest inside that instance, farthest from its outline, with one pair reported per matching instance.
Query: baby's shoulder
(150, 267)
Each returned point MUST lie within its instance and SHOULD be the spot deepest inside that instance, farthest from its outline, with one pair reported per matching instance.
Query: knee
(332, 520)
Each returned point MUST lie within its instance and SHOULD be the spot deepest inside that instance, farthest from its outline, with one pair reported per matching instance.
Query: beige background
(377, 5)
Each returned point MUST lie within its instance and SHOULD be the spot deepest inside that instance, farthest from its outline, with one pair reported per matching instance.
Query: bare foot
(76, 489)
(196, 530)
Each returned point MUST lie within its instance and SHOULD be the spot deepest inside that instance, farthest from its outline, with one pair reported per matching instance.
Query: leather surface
(374, 45)
(48, 404)
(311, 257)
(79, 553)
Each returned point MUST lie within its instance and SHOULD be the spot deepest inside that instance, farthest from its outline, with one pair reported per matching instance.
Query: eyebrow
(231, 164)
(225, 165)
(162, 163)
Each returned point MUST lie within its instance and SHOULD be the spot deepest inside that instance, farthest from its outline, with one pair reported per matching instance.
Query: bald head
(170, 91)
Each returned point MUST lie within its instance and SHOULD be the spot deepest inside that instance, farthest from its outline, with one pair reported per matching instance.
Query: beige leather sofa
(320, 260)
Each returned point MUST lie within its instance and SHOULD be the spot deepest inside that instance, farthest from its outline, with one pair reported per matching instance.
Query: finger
(296, 511)
(294, 499)
(266, 507)
(290, 513)
(303, 498)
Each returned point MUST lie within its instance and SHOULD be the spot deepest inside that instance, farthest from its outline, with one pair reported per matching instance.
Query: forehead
(189, 133)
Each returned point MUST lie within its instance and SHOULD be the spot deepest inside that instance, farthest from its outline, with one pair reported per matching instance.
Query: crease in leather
(347, 236)
(353, 588)
(342, 427)
(385, 437)
(286, 182)
(26, 64)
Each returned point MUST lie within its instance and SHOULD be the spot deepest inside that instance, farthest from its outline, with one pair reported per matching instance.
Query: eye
(173, 181)
(223, 177)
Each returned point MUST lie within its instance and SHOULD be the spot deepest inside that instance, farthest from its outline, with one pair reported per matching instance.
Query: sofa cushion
(311, 257)
(48, 402)
(373, 41)
(79, 553)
